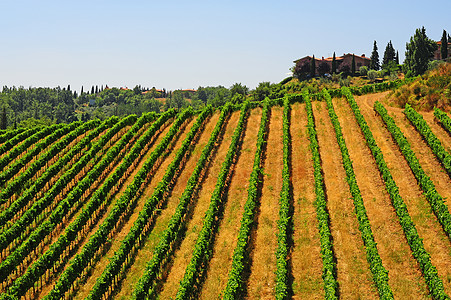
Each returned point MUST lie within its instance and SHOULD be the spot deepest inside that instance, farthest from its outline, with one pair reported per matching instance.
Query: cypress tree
(444, 46)
(81, 90)
(92, 90)
(374, 64)
(3, 121)
(419, 51)
(389, 55)
(97, 89)
(397, 57)
(312, 67)
(353, 65)
(334, 64)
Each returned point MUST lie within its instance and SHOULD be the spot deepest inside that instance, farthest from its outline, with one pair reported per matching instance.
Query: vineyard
(310, 196)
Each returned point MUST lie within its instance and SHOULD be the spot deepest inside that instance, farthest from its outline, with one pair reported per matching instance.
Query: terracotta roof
(337, 58)
(362, 57)
(149, 91)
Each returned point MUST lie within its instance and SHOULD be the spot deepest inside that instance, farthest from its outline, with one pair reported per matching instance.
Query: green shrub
(363, 70)
(372, 74)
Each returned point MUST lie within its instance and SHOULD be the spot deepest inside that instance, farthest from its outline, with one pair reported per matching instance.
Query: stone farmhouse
(438, 52)
(346, 59)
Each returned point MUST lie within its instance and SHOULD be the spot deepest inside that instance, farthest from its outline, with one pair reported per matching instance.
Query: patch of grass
(318, 106)
(398, 256)
(307, 285)
(267, 222)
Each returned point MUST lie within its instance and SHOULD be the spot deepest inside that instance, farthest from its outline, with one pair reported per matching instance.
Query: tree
(389, 55)
(419, 51)
(178, 100)
(202, 95)
(444, 46)
(301, 70)
(345, 68)
(137, 90)
(3, 120)
(334, 64)
(238, 88)
(312, 67)
(81, 90)
(262, 90)
(397, 57)
(92, 90)
(323, 68)
(374, 64)
(353, 65)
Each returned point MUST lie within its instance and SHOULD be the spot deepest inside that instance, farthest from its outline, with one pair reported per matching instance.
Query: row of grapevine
(20, 181)
(86, 255)
(360, 90)
(444, 119)
(33, 139)
(11, 235)
(12, 138)
(6, 135)
(202, 249)
(69, 131)
(28, 154)
(380, 274)
(140, 227)
(42, 181)
(284, 223)
(239, 258)
(90, 210)
(57, 215)
(172, 231)
(429, 271)
(438, 206)
(423, 128)
(327, 252)
(372, 88)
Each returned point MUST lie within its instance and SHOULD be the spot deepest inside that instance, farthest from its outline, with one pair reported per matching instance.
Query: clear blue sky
(187, 44)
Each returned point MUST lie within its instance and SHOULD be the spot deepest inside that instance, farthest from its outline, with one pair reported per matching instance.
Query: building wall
(347, 58)
(359, 61)
(438, 52)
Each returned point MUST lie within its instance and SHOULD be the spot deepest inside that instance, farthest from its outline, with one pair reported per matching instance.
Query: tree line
(35, 106)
